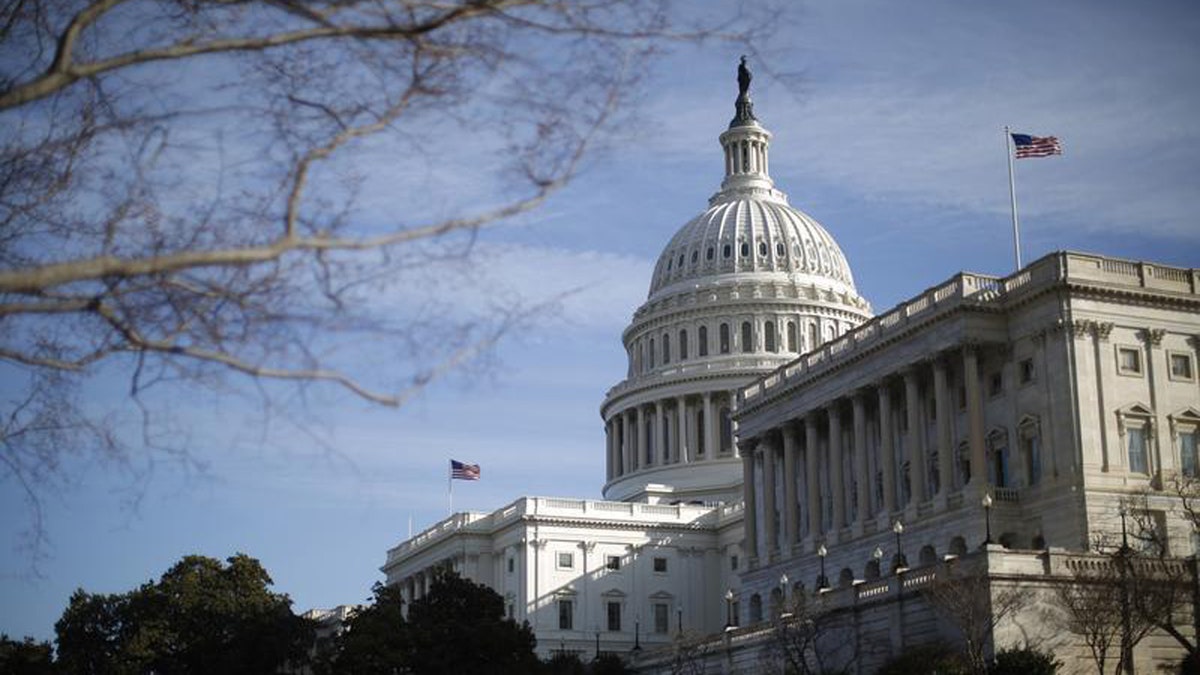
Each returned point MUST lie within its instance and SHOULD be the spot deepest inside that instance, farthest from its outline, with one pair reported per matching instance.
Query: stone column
(791, 508)
(770, 528)
(812, 479)
(887, 457)
(609, 458)
(836, 476)
(916, 448)
(750, 515)
(627, 440)
(657, 448)
(639, 455)
(681, 456)
(945, 441)
(974, 416)
(710, 427)
(860, 460)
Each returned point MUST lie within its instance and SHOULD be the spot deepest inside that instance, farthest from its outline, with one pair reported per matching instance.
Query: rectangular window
(566, 560)
(614, 616)
(1181, 366)
(1187, 454)
(1129, 361)
(996, 384)
(613, 562)
(660, 564)
(1026, 370)
(511, 565)
(511, 611)
(662, 618)
(723, 337)
(733, 562)
(566, 614)
(1137, 450)
(1031, 453)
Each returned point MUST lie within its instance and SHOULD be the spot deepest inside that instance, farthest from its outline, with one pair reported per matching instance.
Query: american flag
(462, 471)
(1036, 146)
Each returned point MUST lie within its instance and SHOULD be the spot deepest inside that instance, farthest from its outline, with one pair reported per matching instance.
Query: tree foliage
(201, 616)
(457, 627)
(25, 657)
(211, 193)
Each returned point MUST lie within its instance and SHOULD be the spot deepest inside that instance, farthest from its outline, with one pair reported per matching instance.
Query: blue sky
(888, 123)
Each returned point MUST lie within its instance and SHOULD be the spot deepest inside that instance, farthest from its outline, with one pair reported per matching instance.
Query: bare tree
(213, 193)
(974, 605)
(808, 639)
(1090, 609)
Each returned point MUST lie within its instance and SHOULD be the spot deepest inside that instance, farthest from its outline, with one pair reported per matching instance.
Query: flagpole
(450, 486)
(1012, 194)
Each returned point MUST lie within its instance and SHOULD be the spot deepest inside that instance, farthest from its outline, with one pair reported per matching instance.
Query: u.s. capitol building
(774, 441)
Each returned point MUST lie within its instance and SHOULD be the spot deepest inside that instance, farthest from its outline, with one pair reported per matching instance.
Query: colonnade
(850, 464)
(677, 430)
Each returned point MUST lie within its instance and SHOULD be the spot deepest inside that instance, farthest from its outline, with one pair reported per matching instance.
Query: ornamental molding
(1152, 336)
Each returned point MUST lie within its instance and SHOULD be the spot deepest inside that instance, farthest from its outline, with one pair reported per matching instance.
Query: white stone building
(757, 376)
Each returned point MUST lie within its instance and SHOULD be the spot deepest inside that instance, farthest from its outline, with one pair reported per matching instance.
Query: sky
(888, 124)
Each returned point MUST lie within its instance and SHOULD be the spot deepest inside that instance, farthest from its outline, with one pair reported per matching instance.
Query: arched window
(708, 255)
(651, 352)
(695, 256)
(872, 570)
(724, 337)
(680, 261)
(683, 345)
(958, 546)
(702, 341)
(762, 248)
(666, 347)
(779, 249)
(700, 437)
(727, 251)
(812, 337)
(845, 578)
(756, 614)
(747, 337)
(726, 431)
(928, 555)
(769, 336)
(792, 345)
(745, 250)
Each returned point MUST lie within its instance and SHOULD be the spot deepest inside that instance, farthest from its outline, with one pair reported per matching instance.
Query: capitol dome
(740, 290)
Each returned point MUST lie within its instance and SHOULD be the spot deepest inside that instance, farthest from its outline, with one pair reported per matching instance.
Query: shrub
(1023, 661)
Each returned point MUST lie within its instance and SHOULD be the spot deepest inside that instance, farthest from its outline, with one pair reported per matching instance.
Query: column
(813, 484)
(627, 440)
(710, 427)
(791, 508)
(945, 441)
(770, 529)
(916, 448)
(974, 416)
(836, 476)
(681, 454)
(750, 516)
(639, 438)
(887, 457)
(609, 458)
(657, 448)
(860, 458)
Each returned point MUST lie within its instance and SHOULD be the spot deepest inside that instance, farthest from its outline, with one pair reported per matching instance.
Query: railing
(976, 289)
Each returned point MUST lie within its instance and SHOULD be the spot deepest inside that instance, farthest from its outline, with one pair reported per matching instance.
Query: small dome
(748, 234)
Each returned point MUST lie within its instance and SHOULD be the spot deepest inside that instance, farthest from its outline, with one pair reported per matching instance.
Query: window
(666, 347)
(1026, 370)
(566, 614)
(733, 562)
(792, 345)
(769, 336)
(724, 338)
(726, 430)
(1136, 443)
(747, 337)
(695, 256)
(662, 618)
(1181, 366)
(702, 341)
(708, 255)
(1129, 361)
(998, 474)
(1187, 453)
(652, 355)
(614, 615)
(779, 249)
(762, 248)
(566, 560)
(745, 251)
(511, 565)
(683, 345)
(756, 613)
(612, 562)
(727, 251)
(1031, 453)
(996, 384)
(660, 564)
(964, 464)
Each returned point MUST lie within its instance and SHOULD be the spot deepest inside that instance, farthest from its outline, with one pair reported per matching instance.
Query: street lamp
(597, 642)
(822, 581)
(898, 528)
(679, 611)
(783, 596)
(877, 555)
(637, 634)
(987, 516)
(728, 608)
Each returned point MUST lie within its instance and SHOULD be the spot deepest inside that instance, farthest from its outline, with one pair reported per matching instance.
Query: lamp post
(1126, 628)
(728, 608)
(987, 517)
(783, 593)
(597, 642)
(898, 528)
(877, 555)
(637, 635)
(822, 581)
(679, 611)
